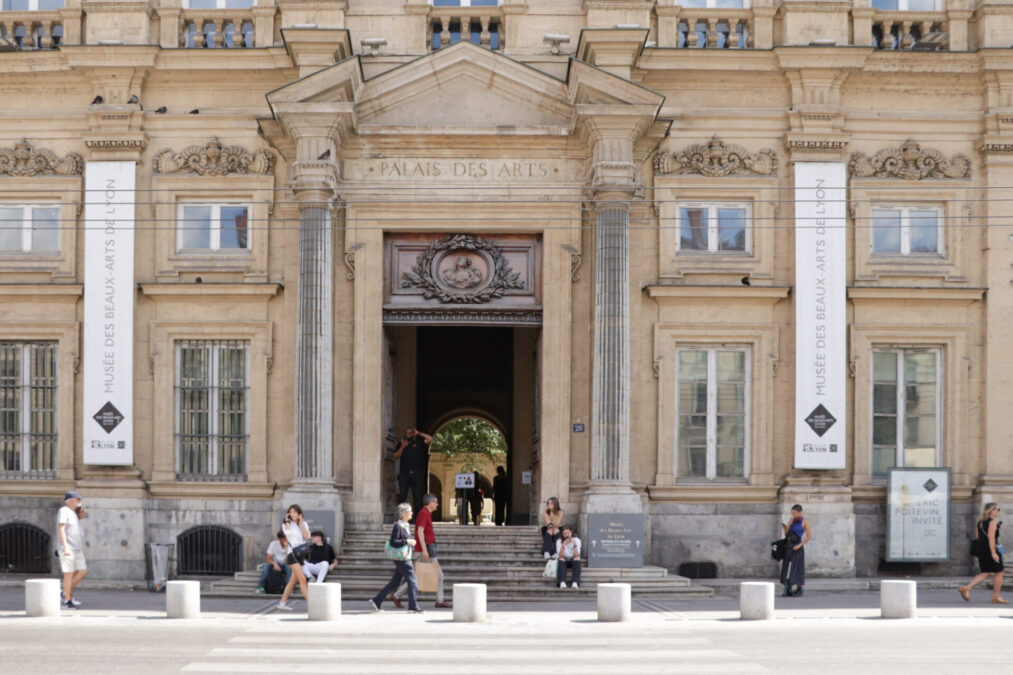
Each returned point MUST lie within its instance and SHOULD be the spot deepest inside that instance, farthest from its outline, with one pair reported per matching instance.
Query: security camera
(555, 39)
(373, 44)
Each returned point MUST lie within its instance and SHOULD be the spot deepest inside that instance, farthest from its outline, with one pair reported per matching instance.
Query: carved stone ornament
(24, 160)
(717, 159)
(215, 159)
(909, 162)
(462, 269)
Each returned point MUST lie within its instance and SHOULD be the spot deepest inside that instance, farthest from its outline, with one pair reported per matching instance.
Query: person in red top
(425, 547)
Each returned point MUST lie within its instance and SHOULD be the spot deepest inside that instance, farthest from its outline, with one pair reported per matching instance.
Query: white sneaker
(546, 554)
(574, 585)
(562, 584)
(286, 607)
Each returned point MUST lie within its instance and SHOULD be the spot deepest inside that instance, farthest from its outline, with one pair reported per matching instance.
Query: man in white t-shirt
(72, 564)
(568, 550)
(277, 552)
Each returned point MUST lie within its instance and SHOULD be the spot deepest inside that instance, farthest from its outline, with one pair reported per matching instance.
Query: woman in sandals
(296, 532)
(989, 554)
(553, 518)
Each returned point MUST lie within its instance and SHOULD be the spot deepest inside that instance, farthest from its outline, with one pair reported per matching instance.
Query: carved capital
(715, 159)
(909, 162)
(215, 159)
(993, 148)
(25, 160)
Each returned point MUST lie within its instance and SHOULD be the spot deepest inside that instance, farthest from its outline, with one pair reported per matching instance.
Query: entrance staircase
(506, 559)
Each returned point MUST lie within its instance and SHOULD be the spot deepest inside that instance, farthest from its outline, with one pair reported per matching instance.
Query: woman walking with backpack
(989, 553)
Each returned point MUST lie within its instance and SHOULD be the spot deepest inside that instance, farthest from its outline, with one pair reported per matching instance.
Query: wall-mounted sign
(464, 481)
(615, 540)
(578, 428)
(108, 433)
(525, 478)
(821, 375)
(918, 515)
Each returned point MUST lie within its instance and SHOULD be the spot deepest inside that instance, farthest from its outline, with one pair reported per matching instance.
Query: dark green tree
(469, 440)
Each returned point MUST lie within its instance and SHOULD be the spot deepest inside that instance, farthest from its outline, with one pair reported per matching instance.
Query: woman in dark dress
(989, 554)
(793, 566)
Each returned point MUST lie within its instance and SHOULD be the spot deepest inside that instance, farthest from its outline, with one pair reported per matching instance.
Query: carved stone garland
(909, 162)
(469, 289)
(717, 160)
(24, 160)
(215, 159)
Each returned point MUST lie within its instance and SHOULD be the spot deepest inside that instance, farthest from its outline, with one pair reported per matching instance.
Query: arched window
(24, 549)
(209, 550)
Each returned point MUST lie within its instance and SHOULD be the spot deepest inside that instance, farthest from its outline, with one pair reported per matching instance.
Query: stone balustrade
(34, 30)
(481, 25)
(225, 28)
(716, 29)
(901, 30)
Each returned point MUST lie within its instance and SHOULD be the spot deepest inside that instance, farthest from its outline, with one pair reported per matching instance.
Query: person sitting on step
(321, 559)
(568, 552)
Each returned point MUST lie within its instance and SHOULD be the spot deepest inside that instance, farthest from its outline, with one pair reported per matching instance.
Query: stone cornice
(725, 292)
(906, 293)
(225, 289)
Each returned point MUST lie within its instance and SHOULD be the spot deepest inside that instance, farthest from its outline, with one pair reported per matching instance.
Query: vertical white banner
(820, 315)
(109, 313)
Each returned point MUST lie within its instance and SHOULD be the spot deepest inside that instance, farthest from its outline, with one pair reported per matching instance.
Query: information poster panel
(108, 416)
(821, 374)
(615, 540)
(918, 515)
(464, 481)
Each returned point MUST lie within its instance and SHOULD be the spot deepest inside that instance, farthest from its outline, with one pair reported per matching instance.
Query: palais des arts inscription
(462, 170)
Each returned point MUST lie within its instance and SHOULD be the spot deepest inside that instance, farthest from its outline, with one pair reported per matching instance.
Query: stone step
(643, 575)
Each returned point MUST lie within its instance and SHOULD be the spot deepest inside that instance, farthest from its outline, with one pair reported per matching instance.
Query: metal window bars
(24, 549)
(209, 550)
(28, 415)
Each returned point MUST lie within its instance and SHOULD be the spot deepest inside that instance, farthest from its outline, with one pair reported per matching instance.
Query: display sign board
(614, 540)
(821, 374)
(464, 481)
(918, 515)
(525, 478)
(108, 394)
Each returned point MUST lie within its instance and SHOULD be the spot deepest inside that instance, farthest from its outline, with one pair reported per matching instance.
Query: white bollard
(898, 599)
(756, 600)
(182, 599)
(42, 597)
(469, 603)
(614, 602)
(324, 602)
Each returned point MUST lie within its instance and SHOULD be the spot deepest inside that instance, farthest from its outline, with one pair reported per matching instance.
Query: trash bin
(157, 557)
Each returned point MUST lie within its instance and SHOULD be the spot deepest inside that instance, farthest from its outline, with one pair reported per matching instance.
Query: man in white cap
(72, 564)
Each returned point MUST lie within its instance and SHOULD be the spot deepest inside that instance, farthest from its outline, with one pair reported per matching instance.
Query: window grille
(28, 390)
(212, 403)
(209, 550)
(24, 549)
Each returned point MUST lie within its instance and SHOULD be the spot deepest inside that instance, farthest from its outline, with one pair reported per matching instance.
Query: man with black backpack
(275, 573)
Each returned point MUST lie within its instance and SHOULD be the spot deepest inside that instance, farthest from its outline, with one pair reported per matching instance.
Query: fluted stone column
(314, 395)
(610, 417)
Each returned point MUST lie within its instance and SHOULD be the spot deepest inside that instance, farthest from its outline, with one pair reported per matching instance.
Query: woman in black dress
(989, 554)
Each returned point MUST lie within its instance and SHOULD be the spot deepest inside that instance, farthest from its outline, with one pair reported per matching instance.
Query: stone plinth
(756, 600)
(614, 602)
(469, 603)
(182, 600)
(42, 597)
(324, 602)
(898, 599)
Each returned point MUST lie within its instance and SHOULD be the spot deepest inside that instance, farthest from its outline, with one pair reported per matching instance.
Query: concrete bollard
(469, 603)
(42, 597)
(756, 600)
(898, 599)
(182, 599)
(614, 602)
(324, 602)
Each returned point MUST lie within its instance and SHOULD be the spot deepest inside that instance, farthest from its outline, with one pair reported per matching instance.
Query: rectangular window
(716, 4)
(906, 5)
(29, 228)
(214, 227)
(217, 4)
(713, 413)
(905, 409)
(714, 228)
(906, 230)
(28, 409)
(464, 3)
(30, 5)
(212, 402)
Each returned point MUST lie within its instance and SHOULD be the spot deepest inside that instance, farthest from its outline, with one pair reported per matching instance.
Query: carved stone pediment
(909, 162)
(462, 269)
(215, 159)
(24, 160)
(716, 160)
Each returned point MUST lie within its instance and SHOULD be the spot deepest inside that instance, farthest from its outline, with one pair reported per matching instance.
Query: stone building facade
(573, 218)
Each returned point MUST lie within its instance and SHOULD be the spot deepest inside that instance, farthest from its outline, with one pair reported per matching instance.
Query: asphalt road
(126, 632)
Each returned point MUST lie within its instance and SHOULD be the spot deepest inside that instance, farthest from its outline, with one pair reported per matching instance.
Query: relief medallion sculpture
(462, 269)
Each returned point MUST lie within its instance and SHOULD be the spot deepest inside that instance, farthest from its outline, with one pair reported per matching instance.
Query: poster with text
(820, 315)
(918, 515)
(108, 434)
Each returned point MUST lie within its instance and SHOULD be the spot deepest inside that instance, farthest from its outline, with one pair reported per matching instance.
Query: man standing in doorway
(425, 547)
(412, 452)
(500, 495)
(72, 563)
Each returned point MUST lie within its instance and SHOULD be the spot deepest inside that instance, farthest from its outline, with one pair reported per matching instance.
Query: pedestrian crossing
(369, 644)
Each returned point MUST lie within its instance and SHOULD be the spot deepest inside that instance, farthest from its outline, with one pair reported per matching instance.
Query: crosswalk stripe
(454, 669)
(610, 654)
(474, 642)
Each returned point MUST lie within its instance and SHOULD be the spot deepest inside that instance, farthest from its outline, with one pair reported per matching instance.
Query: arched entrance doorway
(466, 442)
